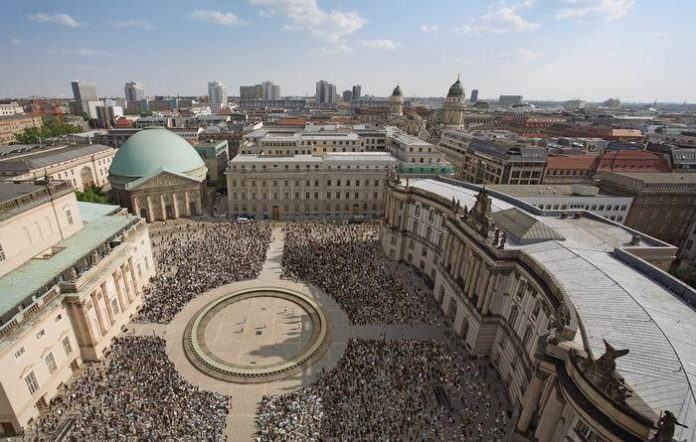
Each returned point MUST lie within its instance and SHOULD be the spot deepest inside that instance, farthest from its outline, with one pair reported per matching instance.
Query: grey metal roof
(508, 152)
(38, 160)
(10, 191)
(616, 302)
(524, 228)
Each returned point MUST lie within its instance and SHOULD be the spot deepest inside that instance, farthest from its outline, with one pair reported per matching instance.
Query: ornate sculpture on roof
(665, 427)
(392, 175)
(479, 217)
(602, 373)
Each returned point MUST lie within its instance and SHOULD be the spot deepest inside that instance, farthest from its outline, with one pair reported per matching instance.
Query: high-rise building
(509, 100)
(347, 95)
(248, 93)
(474, 96)
(84, 92)
(217, 92)
(357, 92)
(270, 91)
(134, 91)
(325, 93)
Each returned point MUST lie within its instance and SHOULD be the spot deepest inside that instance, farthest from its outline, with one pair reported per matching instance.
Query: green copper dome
(397, 92)
(456, 89)
(152, 149)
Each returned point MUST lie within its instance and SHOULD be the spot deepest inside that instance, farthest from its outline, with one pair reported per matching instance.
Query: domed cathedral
(158, 175)
(410, 122)
(452, 114)
(396, 102)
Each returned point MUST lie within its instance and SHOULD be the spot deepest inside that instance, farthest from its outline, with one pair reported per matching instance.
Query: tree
(93, 195)
(50, 128)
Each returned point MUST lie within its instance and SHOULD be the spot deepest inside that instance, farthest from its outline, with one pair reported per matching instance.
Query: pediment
(159, 180)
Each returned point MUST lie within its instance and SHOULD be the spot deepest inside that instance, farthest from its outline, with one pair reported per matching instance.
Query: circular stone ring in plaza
(257, 335)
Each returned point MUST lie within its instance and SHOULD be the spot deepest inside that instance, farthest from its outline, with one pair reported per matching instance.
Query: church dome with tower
(452, 115)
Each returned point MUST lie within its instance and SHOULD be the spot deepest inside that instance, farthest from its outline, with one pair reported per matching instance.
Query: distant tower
(455, 104)
(474, 96)
(396, 102)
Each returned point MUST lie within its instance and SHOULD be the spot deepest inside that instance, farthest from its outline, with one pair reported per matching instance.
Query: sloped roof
(524, 228)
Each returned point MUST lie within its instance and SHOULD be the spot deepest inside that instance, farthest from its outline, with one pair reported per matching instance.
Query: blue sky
(638, 50)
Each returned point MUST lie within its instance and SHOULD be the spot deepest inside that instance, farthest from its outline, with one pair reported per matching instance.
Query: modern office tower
(248, 93)
(474, 96)
(347, 95)
(325, 92)
(134, 91)
(357, 91)
(217, 92)
(84, 92)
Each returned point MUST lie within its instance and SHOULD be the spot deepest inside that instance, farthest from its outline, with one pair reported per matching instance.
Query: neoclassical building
(71, 276)
(158, 175)
(591, 338)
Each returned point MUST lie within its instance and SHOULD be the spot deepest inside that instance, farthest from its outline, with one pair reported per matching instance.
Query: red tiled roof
(572, 163)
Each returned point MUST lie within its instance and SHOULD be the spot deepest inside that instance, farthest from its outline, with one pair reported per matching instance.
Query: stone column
(469, 273)
(150, 213)
(119, 292)
(176, 205)
(492, 290)
(163, 206)
(95, 305)
(134, 280)
(124, 278)
(448, 250)
(484, 286)
(530, 401)
(107, 303)
(135, 205)
(475, 278)
(187, 201)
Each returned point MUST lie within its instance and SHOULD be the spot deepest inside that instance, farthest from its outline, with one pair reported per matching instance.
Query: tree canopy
(50, 128)
(93, 195)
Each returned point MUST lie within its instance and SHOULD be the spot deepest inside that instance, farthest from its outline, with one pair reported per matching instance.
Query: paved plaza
(233, 339)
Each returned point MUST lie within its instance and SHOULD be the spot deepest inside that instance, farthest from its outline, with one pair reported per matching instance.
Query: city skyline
(541, 49)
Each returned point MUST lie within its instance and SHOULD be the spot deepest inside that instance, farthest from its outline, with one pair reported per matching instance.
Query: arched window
(537, 307)
(512, 317)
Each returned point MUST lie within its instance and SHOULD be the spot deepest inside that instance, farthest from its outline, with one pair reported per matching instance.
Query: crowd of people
(392, 391)
(195, 256)
(135, 393)
(347, 262)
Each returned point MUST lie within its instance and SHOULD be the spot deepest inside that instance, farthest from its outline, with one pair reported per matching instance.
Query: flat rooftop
(546, 190)
(660, 178)
(616, 302)
(12, 191)
(45, 156)
(377, 157)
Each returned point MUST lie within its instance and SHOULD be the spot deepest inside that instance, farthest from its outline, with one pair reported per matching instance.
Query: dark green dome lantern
(456, 89)
(397, 92)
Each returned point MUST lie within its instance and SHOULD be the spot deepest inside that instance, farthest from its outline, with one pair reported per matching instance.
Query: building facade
(83, 166)
(217, 93)
(85, 92)
(321, 186)
(134, 91)
(10, 109)
(216, 156)
(10, 125)
(562, 313)
(491, 161)
(452, 112)
(664, 204)
(71, 275)
(325, 93)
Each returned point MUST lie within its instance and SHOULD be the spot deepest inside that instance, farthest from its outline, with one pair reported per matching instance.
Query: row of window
(307, 195)
(308, 208)
(308, 167)
(592, 207)
(307, 183)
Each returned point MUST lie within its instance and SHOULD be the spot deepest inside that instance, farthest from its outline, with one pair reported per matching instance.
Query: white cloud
(84, 52)
(332, 50)
(659, 35)
(58, 19)
(16, 41)
(216, 17)
(139, 23)
(332, 27)
(388, 45)
(428, 28)
(501, 21)
(592, 10)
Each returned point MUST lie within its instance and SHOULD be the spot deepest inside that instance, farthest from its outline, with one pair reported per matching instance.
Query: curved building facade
(158, 175)
(572, 310)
